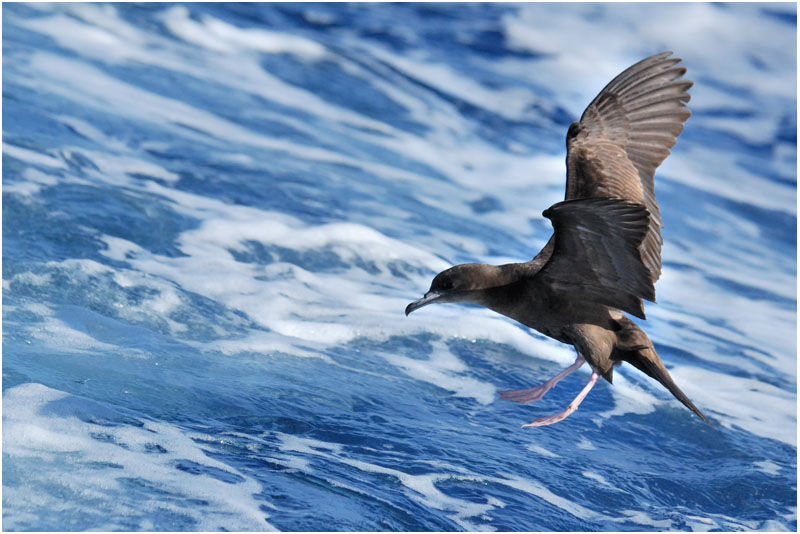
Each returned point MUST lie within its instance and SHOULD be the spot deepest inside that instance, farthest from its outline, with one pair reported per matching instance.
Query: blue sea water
(215, 214)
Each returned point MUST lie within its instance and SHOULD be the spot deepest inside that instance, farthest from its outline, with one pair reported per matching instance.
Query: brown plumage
(605, 253)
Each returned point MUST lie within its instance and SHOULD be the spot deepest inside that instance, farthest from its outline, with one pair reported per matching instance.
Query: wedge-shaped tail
(634, 347)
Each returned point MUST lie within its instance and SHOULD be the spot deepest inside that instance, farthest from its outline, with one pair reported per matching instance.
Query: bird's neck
(498, 284)
(516, 293)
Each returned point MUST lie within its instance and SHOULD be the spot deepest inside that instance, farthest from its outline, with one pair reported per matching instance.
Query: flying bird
(605, 253)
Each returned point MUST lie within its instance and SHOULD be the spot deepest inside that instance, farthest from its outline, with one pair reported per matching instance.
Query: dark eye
(444, 285)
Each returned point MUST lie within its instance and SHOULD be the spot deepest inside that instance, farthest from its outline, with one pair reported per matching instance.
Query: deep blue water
(215, 214)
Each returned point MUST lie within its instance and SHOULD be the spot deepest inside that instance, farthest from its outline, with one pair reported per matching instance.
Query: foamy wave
(422, 487)
(223, 37)
(747, 403)
(105, 457)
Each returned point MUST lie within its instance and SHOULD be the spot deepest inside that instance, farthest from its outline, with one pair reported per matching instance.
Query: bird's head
(461, 283)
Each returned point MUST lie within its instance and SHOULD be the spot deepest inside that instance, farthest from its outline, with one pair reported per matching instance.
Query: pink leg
(536, 393)
(555, 418)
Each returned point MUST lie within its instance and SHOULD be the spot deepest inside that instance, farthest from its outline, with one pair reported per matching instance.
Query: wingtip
(666, 56)
(659, 56)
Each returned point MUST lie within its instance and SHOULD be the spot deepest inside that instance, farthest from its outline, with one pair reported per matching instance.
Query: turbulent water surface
(215, 214)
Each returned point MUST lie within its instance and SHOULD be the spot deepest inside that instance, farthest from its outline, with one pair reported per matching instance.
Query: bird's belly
(594, 343)
(559, 333)
(540, 318)
(550, 317)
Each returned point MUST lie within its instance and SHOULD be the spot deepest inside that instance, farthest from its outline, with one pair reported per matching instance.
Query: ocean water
(215, 214)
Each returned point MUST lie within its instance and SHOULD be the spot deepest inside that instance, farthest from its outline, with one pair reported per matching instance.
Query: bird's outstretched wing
(623, 135)
(596, 254)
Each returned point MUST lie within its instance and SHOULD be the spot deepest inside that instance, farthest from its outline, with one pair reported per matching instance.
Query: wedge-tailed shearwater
(605, 253)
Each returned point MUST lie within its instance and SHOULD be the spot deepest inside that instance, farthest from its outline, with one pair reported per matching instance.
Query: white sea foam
(53, 332)
(32, 157)
(641, 518)
(750, 322)
(261, 343)
(443, 369)
(71, 33)
(712, 170)
(542, 451)
(23, 189)
(88, 457)
(93, 88)
(703, 34)
(510, 103)
(701, 524)
(90, 132)
(596, 477)
(223, 37)
(747, 403)
(768, 467)
(128, 43)
(772, 525)
(537, 489)
(422, 488)
(211, 270)
(33, 182)
(116, 168)
(714, 521)
(56, 335)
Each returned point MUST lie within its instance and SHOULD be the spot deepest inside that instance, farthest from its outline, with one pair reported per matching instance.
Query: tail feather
(634, 347)
(647, 361)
